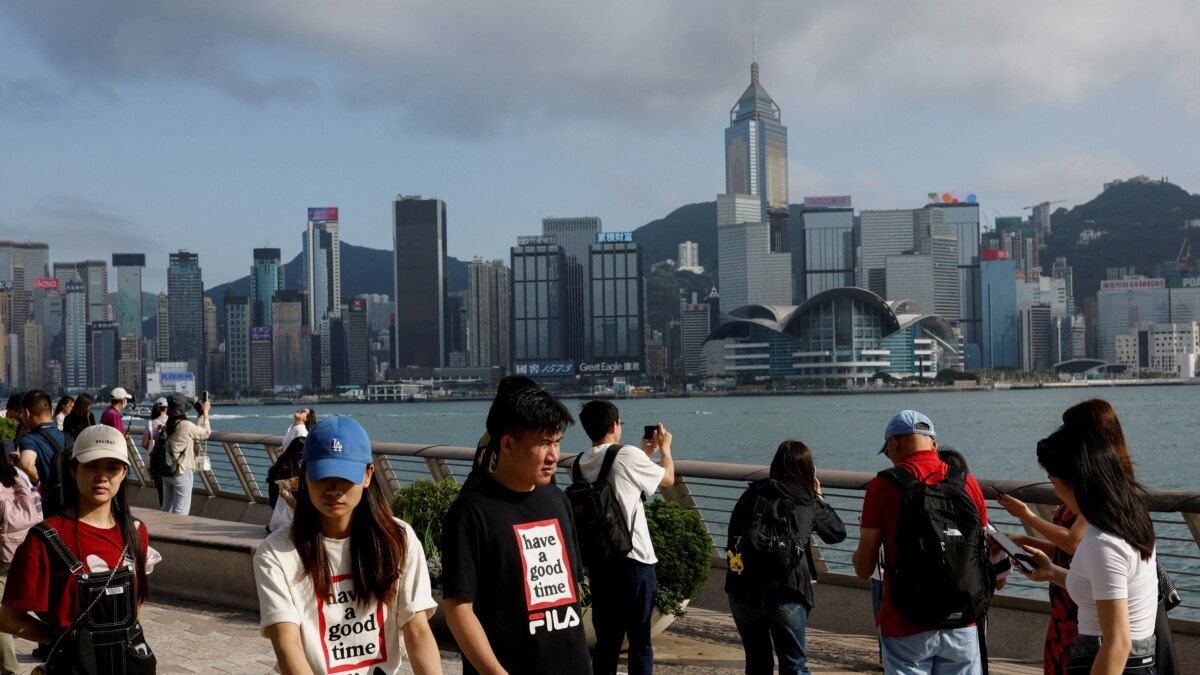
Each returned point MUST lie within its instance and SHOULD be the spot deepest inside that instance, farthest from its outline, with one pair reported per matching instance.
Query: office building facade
(538, 333)
(998, 273)
(127, 309)
(185, 287)
(828, 247)
(575, 235)
(617, 325)
(322, 265)
(882, 233)
(290, 370)
(104, 352)
(237, 341)
(756, 158)
(75, 334)
(267, 279)
(419, 241)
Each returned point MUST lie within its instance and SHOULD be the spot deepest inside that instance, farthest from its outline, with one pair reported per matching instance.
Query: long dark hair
(793, 464)
(125, 522)
(310, 418)
(8, 472)
(1111, 499)
(1100, 414)
(173, 422)
(62, 403)
(378, 545)
(83, 407)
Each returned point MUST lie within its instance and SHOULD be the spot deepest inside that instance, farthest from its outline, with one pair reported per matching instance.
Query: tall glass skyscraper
(617, 326)
(75, 326)
(128, 309)
(575, 235)
(828, 250)
(322, 265)
(756, 157)
(537, 309)
(419, 239)
(266, 279)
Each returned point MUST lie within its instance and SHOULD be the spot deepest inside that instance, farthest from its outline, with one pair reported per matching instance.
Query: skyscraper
(538, 293)
(237, 341)
(288, 364)
(882, 233)
(488, 317)
(104, 349)
(750, 271)
(828, 249)
(94, 275)
(322, 265)
(75, 329)
(358, 344)
(419, 241)
(162, 320)
(266, 279)
(756, 157)
(618, 321)
(185, 287)
(128, 308)
(575, 235)
(961, 221)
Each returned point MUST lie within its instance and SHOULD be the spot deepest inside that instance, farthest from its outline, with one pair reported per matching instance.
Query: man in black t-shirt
(510, 556)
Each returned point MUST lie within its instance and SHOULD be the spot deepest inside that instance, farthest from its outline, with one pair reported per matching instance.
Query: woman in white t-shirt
(1112, 576)
(345, 588)
(302, 420)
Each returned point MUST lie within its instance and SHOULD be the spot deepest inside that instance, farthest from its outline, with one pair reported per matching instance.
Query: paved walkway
(191, 639)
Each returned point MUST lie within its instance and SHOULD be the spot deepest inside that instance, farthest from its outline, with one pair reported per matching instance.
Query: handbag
(1168, 594)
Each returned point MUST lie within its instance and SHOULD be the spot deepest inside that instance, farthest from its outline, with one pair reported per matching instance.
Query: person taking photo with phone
(181, 438)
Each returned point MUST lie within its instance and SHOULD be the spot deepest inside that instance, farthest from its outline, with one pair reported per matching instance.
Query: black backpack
(51, 487)
(599, 523)
(941, 575)
(771, 543)
(163, 463)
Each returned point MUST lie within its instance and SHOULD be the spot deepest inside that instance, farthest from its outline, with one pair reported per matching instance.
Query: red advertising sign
(46, 283)
(994, 254)
(329, 213)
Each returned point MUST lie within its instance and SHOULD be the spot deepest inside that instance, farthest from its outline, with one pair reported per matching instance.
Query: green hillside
(1143, 226)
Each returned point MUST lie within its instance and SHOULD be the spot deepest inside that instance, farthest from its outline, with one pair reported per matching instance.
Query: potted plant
(423, 505)
(684, 551)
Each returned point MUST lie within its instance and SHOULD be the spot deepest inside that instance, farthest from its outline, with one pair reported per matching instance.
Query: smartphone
(998, 492)
(1019, 555)
(648, 431)
(204, 397)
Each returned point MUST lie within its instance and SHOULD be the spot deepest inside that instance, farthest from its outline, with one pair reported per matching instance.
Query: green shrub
(8, 428)
(423, 505)
(684, 552)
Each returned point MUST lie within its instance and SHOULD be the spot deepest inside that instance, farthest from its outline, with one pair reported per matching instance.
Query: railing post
(241, 468)
(384, 471)
(439, 469)
(1193, 523)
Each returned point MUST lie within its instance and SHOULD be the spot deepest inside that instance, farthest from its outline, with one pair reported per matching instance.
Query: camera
(199, 404)
(648, 431)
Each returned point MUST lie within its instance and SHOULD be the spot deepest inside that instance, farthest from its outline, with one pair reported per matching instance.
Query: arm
(1058, 535)
(662, 440)
(28, 463)
(22, 624)
(423, 654)
(829, 526)
(1114, 628)
(146, 436)
(289, 651)
(21, 513)
(866, 556)
(1043, 569)
(468, 632)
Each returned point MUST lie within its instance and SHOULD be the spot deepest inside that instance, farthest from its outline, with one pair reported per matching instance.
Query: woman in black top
(81, 416)
(770, 576)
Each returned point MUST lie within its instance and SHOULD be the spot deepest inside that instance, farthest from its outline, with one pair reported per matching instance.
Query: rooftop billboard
(323, 214)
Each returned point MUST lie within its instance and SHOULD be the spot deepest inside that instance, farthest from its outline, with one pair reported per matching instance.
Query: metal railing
(240, 462)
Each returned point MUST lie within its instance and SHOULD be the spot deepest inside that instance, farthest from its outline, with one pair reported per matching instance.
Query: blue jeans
(177, 493)
(622, 600)
(934, 652)
(771, 622)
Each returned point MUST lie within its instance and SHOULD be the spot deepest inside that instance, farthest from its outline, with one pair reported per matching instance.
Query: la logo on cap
(336, 447)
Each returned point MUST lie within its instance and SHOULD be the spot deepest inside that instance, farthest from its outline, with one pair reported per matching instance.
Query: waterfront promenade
(190, 638)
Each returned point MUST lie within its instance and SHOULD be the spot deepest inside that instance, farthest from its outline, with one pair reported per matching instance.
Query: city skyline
(193, 126)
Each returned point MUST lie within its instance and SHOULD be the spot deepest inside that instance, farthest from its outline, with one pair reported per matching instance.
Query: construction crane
(1043, 204)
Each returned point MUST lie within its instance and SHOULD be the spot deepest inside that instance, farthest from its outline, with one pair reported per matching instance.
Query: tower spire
(754, 72)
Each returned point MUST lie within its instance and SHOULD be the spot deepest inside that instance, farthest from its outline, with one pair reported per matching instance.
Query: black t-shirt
(515, 556)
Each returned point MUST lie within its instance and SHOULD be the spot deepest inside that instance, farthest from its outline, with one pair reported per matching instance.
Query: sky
(212, 126)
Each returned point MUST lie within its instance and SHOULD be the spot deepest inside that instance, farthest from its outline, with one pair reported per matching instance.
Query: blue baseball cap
(337, 447)
(907, 423)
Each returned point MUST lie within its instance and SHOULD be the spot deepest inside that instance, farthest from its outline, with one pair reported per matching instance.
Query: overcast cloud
(515, 110)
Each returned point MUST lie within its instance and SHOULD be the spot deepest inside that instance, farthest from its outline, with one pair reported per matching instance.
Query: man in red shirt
(910, 443)
(112, 416)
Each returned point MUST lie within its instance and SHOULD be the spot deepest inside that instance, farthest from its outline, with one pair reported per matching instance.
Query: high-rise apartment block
(489, 340)
(419, 241)
(689, 258)
(237, 341)
(75, 333)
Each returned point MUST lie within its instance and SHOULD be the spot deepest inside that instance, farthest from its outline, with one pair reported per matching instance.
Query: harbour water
(995, 430)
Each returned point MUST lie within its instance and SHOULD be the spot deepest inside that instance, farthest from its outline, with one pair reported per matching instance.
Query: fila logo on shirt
(553, 620)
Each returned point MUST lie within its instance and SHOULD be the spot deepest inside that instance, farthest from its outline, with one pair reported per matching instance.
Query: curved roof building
(842, 333)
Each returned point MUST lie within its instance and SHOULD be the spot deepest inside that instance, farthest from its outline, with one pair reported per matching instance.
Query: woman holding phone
(1112, 577)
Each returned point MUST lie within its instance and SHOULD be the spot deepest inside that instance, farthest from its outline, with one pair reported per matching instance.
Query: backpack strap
(904, 479)
(610, 456)
(49, 439)
(60, 549)
(576, 473)
(956, 476)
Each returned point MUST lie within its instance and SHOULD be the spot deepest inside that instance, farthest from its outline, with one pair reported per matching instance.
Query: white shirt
(297, 431)
(1106, 567)
(338, 634)
(633, 474)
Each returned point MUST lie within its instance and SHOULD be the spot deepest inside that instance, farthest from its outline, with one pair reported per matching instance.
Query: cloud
(1075, 177)
(77, 228)
(474, 69)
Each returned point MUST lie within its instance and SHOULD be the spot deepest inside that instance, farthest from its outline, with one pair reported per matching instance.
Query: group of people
(344, 586)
